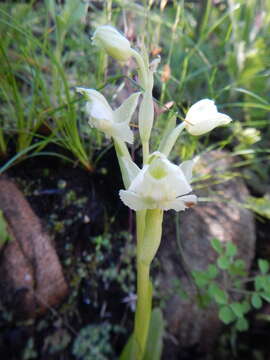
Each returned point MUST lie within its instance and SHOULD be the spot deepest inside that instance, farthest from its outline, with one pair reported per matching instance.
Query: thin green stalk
(142, 289)
(149, 230)
(143, 308)
(145, 149)
(121, 153)
(142, 70)
(140, 224)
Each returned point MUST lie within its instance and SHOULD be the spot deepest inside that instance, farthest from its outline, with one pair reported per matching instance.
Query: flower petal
(187, 167)
(122, 132)
(126, 110)
(223, 119)
(97, 112)
(168, 143)
(92, 95)
(97, 106)
(132, 200)
(181, 203)
(131, 168)
(204, 108)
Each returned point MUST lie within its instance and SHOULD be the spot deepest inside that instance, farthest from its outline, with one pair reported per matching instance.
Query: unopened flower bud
(203, 117)
(114, 43)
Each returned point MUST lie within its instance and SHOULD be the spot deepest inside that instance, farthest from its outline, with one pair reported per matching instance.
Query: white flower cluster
(160, 184)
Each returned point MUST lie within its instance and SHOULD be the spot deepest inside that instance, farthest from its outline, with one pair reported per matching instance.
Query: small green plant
(93, 343)
(225, 284)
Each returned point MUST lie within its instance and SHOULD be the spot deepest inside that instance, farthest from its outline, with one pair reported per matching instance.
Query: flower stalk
(142, 68)
(149, 230)
(159, 185)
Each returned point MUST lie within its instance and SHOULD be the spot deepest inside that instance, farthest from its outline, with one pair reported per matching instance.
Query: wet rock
(31, 275)
(188, 325)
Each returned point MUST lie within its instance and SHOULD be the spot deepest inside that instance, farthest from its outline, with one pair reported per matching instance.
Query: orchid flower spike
(114, 43)
(203, 117)
(114, 123)
(160, 184)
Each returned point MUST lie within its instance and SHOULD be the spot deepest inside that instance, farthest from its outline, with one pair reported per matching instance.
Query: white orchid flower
(114, 43)
(160, 185)
(114, 123)
(203, 116)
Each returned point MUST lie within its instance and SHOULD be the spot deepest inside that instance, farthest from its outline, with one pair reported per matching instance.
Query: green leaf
(220, 296)
(263, 266)
(217, 246)
(231, 249)
(226, 315)
(223, 262)
(256, 301)
(265, 283)
(153, 349)
(242, 324)
(212, 271)
(200, 278)
(246, 306)
(237, 268)
(204, 300)
(240, 263)
(266, 296)
(238, 309)
(129, 352)
(259, 282)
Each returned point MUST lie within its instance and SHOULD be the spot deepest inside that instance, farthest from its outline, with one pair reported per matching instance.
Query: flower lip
(157, 170)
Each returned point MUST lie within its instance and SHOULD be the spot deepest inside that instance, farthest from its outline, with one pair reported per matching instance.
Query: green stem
(143, 311)
(122, 152)
(142, 69)
(140, 224)
(149, 229)
(145, 149)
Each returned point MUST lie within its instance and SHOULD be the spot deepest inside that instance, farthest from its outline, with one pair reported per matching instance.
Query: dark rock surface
(224, 218)
(31, 275)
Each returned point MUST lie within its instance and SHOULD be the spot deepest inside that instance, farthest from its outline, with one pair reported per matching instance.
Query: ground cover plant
(68, 170)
